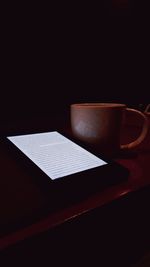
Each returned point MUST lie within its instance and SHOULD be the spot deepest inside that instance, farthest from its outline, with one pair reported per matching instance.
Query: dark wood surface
(122, 208)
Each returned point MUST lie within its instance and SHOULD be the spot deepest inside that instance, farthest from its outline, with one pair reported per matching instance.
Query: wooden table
(20, 199)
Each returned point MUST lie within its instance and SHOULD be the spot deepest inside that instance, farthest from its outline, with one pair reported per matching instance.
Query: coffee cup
(98, 125)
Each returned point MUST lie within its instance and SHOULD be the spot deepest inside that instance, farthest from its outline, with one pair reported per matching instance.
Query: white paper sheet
(54, 154)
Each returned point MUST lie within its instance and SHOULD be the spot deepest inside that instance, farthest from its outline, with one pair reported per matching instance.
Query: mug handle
(143, 134)
(147, 108)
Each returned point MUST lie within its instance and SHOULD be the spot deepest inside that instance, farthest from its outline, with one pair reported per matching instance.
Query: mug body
(98, 124)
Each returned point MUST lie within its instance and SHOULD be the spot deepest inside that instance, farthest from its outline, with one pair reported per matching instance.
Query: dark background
(53, 56)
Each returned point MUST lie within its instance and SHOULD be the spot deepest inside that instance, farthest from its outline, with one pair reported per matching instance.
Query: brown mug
(99, 125)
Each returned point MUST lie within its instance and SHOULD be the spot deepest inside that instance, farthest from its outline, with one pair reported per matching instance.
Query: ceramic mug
(99, 125)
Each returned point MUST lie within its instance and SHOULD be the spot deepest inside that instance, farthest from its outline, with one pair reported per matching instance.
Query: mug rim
(97, 105)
